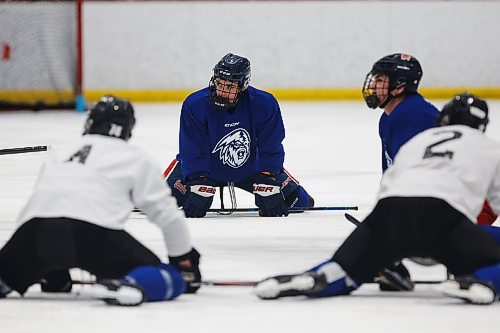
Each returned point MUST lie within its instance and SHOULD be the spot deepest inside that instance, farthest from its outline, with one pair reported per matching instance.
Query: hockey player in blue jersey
(428, 201)
(392, 86)
(231, 135)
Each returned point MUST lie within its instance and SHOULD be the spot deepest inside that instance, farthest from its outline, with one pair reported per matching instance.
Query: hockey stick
(352, 219)
(230, 283)
(253, 283)
(20, 150)
(293, 209)
(203, 283)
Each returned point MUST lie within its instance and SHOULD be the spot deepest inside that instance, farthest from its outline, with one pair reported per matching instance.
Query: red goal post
(41, 54)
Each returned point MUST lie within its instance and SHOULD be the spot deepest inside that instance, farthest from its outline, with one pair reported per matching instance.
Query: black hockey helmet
(111, 116)
(233, 68)
(465, 109)
(402, 69)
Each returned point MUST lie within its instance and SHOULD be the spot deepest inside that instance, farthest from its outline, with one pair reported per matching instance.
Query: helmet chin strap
(390, 97)
(387, 100)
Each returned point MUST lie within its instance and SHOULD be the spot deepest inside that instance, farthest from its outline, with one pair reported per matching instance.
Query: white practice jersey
(100, 179)
(457, 164)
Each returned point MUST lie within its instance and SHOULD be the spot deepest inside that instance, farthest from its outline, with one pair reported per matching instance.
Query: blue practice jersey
(231, 146)
(413, 115)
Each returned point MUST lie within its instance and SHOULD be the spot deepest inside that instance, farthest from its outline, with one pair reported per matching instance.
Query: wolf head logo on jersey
(234, 148)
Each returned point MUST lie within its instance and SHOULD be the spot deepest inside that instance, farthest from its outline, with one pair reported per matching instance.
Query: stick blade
(352, 219)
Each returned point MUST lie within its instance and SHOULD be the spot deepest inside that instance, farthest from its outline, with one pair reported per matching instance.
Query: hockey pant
(46, 248)
(412, 227)
(339, 283)
(295, 195)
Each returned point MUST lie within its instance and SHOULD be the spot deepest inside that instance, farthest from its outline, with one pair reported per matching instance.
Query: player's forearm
(177, 238)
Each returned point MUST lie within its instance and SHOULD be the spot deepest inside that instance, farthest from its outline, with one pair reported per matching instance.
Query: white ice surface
(334, 151)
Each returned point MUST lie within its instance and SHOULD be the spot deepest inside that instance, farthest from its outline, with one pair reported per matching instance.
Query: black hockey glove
(268, 196)
(199, 198)
(395, 278)
(188, 265)
(57, 282)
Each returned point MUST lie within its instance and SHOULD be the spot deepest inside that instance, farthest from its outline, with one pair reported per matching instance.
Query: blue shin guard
(490, 274)
(163, 282)
(339, 283)
(492, 231)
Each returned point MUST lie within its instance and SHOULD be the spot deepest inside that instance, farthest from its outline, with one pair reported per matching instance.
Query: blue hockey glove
(268, 196)
(188, 265)
(199, 198)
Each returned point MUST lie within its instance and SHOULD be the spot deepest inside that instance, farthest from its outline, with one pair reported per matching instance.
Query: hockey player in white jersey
(76, 217)
(428, 201)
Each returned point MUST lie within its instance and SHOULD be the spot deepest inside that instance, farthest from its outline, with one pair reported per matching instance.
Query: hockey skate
(307, 284)
(117, 292)
(470, 289)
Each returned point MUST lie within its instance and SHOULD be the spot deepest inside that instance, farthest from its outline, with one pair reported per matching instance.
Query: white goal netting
(38, 54)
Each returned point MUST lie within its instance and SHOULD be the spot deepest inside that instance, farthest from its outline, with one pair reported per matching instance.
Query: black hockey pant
(43, 246)
(416, 227)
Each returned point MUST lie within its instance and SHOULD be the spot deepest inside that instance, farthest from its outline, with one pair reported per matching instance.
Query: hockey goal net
(40, 54)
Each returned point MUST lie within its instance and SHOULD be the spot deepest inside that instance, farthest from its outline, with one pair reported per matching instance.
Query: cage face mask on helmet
(465, 109)
(111, 116)
(231, 77)
(402, 70)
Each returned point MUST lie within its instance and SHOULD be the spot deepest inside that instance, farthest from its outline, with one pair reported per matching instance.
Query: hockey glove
(199, 198)
(268, 196)
(188, 265)
(395, 278)
(57, 282)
